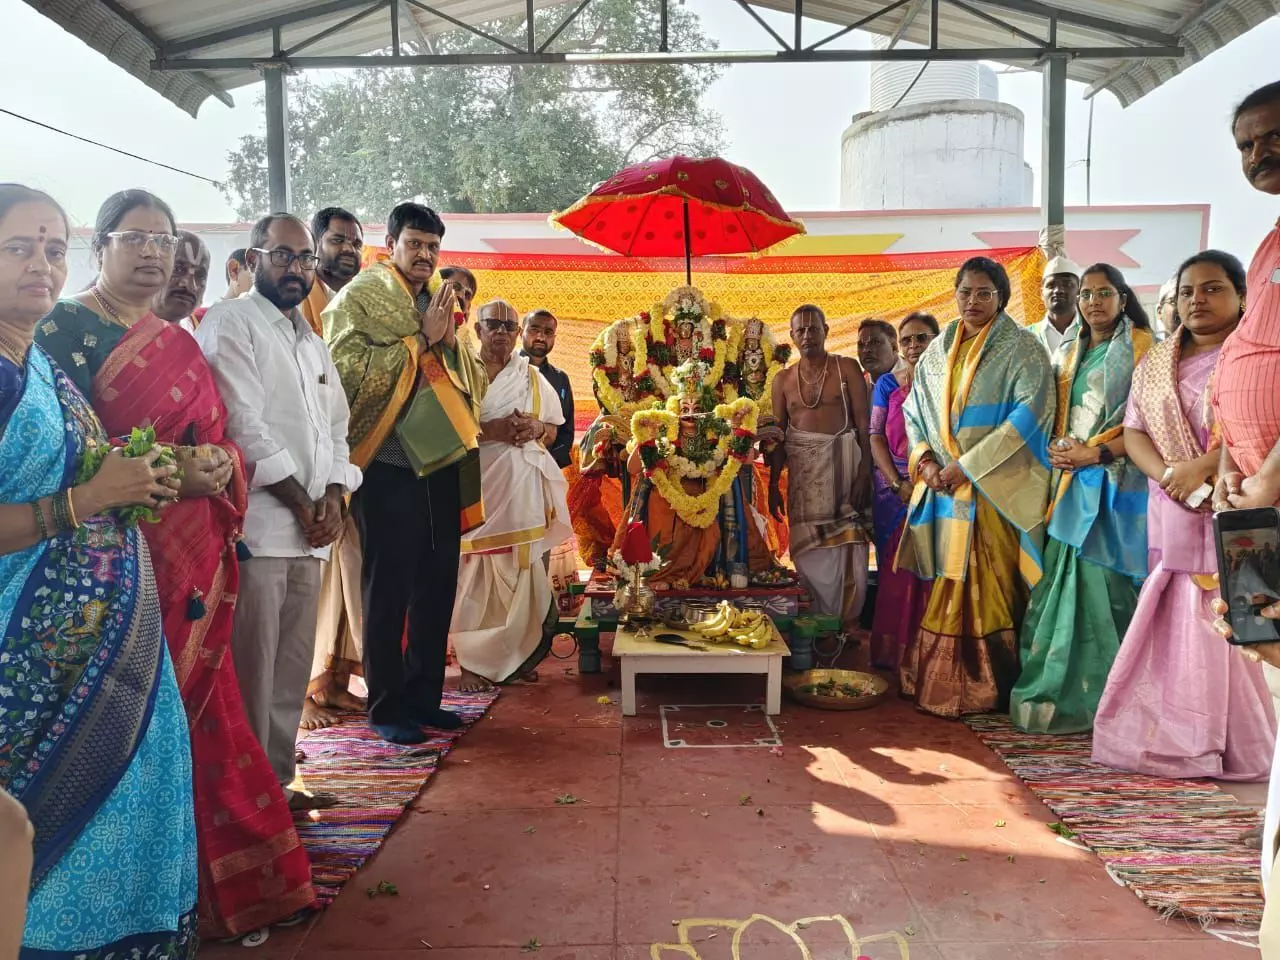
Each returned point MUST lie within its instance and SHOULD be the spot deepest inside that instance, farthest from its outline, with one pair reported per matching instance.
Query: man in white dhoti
(504, 602)
(822, 411)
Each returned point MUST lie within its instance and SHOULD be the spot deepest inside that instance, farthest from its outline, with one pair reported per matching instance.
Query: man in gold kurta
(415, 392)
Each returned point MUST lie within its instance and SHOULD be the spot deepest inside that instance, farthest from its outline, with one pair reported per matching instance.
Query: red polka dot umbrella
(681, 206)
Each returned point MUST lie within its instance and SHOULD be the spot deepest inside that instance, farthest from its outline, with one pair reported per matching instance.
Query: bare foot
(530, 676)
(316, 717)
(332, 699)
(473, 682)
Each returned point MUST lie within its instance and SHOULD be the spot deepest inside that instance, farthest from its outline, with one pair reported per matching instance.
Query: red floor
(897, 822)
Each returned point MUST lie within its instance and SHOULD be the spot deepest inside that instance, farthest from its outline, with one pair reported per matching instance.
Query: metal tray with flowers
(836, 689)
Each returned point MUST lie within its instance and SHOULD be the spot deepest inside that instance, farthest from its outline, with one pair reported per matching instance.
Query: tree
(491, 139)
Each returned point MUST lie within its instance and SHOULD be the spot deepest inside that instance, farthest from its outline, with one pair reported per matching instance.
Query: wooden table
(642, 654)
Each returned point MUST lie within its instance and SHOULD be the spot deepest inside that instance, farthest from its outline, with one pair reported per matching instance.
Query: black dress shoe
(439, 719)
(395, 733)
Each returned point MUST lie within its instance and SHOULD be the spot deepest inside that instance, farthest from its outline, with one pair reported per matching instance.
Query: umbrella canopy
(681, 206)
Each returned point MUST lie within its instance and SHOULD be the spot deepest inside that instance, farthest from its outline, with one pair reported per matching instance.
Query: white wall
(951, 153)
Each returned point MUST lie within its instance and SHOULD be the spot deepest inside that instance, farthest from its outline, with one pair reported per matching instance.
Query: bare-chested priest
(822, 412)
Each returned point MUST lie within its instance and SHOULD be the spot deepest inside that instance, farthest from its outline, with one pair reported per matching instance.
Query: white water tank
(936, 137)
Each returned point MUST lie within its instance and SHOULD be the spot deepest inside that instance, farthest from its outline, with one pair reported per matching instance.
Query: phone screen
(1249, 571)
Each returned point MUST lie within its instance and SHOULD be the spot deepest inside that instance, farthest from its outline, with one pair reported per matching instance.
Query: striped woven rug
(1175, 843)
(374, 781)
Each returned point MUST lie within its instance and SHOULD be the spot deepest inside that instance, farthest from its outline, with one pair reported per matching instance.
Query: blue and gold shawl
(992, 414)
(80, 659)
(1100, 510)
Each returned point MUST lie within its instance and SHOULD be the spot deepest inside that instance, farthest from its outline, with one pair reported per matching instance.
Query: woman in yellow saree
(977, 422)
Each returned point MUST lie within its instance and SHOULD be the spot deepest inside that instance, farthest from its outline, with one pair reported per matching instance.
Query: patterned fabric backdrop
(587, 292)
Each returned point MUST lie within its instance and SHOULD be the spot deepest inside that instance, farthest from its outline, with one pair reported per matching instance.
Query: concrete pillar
(1053, 166)
(277, 104)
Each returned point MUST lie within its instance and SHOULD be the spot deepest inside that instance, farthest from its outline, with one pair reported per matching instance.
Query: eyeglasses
(907, 338)
(1103, 295)
(510, 326)
(984, 295)
(139, 239)
(286, 258)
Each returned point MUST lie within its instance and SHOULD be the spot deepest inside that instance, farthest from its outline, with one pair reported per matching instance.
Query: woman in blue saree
(1096, 557)
(93, 738)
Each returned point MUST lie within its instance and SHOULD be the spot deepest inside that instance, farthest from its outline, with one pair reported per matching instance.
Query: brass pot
(635, 599)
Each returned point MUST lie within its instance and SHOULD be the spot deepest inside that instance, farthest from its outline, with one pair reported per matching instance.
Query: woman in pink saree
(900, 595)
(1179, 702)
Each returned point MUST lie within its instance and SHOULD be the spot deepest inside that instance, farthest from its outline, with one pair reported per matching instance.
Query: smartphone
(1248, 543)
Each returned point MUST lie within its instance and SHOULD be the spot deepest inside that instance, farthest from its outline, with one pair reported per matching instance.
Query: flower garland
(604, 360)
(652, 431)
(776, 357)
(687, 304)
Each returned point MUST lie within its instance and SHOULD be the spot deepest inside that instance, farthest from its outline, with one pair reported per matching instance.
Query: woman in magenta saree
(253, 870)
(1178, 701)
(901, 596)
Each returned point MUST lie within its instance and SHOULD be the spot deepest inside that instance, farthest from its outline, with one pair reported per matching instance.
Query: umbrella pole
(688, 249)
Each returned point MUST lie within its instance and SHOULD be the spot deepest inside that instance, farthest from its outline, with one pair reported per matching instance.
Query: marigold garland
(652, 433)
(604, 358)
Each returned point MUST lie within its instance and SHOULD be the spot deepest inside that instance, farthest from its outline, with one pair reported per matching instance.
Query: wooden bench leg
(629, 687)
(773, 692)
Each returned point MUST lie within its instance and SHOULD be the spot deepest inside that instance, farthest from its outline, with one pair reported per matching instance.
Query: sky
(782, 121)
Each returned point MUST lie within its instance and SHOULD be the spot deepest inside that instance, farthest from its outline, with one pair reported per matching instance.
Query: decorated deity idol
(622, 386)
(688, 456)
(620, 367)
(759, 363)
(686, 327)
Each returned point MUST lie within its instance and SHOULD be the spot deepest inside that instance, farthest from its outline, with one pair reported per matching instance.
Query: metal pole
(688, 248)
(1088, 160)
(1053, 166)
(277, 140)
(799, 41)
(664, 43)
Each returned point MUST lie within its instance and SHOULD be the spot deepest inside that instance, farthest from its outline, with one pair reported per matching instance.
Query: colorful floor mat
(1175, 843)
(374, 781)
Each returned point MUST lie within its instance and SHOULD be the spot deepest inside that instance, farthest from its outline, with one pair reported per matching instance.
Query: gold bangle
(71, 509)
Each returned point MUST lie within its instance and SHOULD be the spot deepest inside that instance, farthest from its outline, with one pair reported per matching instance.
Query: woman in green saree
(1096, 556)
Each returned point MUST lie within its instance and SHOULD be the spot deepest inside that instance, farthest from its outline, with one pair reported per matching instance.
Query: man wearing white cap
(1061, 291)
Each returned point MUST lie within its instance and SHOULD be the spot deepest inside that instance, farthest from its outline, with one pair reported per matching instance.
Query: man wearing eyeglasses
(1167, 309)
(1060, 289)
(415, 391)
(502, 618)
(287, 411)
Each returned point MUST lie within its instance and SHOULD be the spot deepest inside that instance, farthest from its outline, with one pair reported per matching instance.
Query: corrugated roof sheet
(130, 32)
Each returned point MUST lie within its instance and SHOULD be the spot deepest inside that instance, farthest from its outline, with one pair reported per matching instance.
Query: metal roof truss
(1037, 28)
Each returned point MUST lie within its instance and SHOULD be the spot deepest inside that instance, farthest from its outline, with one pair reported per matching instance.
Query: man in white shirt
(287, 411)
(1060, 289)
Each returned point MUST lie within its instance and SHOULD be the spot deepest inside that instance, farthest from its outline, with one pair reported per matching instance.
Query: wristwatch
(1105, 456)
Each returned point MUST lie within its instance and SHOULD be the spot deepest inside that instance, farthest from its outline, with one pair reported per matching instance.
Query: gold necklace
(107, 307)
(10, 350)
(821, 382)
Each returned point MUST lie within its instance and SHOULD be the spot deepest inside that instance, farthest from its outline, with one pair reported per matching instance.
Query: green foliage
(140, 442)
(491, 139)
